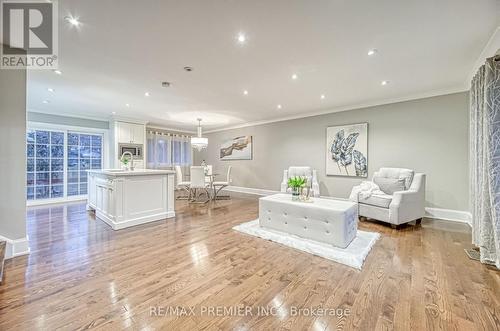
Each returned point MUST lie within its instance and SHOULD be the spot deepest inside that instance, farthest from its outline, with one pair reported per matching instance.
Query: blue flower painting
(347, 150)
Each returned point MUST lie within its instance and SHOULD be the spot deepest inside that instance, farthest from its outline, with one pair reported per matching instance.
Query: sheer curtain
(182, 152)
(485, 161)
(166, 150)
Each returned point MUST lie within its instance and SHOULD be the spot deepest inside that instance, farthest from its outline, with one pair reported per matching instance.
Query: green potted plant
(125, 161)
(296, 184)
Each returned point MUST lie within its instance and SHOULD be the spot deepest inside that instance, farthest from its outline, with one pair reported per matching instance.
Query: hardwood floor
(83, 275)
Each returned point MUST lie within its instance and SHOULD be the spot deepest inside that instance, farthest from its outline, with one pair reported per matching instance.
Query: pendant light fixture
(199, 142)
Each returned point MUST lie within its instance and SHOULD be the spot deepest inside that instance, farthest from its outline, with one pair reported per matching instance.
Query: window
(167, 150)
(45, 164)
(57, 161)
(84, 153)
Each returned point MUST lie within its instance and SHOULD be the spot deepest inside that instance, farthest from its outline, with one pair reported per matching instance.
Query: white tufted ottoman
(329, 221)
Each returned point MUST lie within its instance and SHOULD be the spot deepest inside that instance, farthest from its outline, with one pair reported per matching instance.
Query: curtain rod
(168, 133)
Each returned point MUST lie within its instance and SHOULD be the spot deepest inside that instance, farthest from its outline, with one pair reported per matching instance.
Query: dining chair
(218, 186)
(198, 183)
(181, 184)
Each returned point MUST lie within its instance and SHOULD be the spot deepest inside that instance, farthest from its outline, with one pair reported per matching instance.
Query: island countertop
(136, 172)
(123, 198)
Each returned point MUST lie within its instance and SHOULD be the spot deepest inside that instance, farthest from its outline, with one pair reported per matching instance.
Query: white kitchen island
(126, 198)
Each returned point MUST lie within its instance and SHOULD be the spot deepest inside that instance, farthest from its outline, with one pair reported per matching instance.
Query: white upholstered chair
(208, 173)
(218, 186)
(181, 184)
(308, 172)
(198, 183)
(403, 200)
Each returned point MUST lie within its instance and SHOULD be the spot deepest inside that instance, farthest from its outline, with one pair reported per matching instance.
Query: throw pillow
(390, 185)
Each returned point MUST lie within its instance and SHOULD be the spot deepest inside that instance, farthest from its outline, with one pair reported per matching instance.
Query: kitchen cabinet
(130, 133)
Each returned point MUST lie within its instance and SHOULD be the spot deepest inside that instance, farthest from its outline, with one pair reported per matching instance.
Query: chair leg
(192, 194)
(185, 197)
(197, 194)
(221, 197)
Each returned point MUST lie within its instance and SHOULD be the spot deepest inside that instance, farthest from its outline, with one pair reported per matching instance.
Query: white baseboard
(16, 247)
(435, 213)
(34, 203)
(449, 215)
(131, 222)
(249, 190)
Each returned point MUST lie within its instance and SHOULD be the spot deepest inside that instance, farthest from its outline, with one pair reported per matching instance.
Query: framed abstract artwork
(347, 150)
(239, 148)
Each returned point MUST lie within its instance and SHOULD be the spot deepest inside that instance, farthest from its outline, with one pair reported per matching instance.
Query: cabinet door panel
(124, 132)
(138, 133)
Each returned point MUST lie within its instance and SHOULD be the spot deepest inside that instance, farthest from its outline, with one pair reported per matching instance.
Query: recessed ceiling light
(51, 90)
(294, 76)
(372, 52)
(127, 105)
(72, 20)
(59, 72)
(241, 38)
(166, 84)
(245, 92)
(279, 106)
(188, 68)
(147, 94)
(113, 112)
(322, 96)
(384, 82)
(46, 101)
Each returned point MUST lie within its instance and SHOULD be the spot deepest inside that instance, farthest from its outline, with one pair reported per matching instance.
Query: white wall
(429, 135)
(13, 158)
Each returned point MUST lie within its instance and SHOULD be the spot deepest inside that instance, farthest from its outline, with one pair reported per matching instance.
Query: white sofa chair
(310, 174)
(403, 200)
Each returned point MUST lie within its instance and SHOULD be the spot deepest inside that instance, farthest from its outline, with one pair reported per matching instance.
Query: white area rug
(353, 255)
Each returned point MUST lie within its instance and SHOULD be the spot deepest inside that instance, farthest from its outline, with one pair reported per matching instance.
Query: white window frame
(76, 129)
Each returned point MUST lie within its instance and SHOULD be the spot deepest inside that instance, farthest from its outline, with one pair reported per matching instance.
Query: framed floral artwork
(347, 150)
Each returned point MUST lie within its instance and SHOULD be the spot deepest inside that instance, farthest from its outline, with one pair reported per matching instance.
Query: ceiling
(119, 52)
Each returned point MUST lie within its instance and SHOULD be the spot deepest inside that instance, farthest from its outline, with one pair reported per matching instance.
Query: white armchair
(403, 198)
(310, 174)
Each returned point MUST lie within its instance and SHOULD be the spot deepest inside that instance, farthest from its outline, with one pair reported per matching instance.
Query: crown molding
(118, 118)
(490, 49)
(457, 89)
